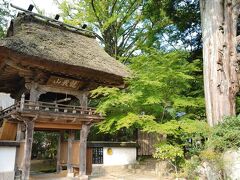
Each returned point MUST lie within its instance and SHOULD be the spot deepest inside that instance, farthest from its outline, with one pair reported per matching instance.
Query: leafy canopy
(157, 92)
(4, 14)
(117, 22)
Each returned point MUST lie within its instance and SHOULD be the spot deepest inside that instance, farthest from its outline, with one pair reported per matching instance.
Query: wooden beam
(56, 126)
(83, 151)
(17, 66)
(49, 88)
(27, 149)
(2, 67)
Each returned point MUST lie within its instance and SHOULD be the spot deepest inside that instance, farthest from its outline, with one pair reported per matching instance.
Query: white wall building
(7, 159)
(5, 100)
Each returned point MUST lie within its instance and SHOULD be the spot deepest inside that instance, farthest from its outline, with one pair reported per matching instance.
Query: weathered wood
(69, 157)
(89, 161)
(56, 89)
(60, 139)
(8, 130)
(220, 58)
(64, 83)
(27, 149)
(22, 101)
(56, 126)
(83, 150)
(34, 92)
(83, 99)
(19, 135)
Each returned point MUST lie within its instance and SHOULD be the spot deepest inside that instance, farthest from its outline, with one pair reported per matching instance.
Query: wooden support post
(19, 132)
(27, 149)
(34, 91)
(60, 139)
(83, 151)
(69, 159)
(22, 101)
(83, 99)
(19, 137)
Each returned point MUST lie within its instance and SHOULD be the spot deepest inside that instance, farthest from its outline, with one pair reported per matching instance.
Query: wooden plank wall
(146, 142)
(63, 152)
(8, 130)
(75, 155)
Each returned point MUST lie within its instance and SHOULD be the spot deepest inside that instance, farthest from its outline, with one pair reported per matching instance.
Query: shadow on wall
(5, 100)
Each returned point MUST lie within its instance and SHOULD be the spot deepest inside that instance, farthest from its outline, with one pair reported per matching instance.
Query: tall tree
(176, 23)
(117, 22)
(127, 26)
(4, 14)
(219, 27)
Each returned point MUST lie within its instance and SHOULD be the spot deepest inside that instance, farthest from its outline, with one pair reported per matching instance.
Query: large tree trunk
(219, 20)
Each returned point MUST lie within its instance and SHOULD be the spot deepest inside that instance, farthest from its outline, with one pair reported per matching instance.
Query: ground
(130, 176)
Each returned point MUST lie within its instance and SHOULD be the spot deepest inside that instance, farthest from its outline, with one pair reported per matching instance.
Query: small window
(97, 155)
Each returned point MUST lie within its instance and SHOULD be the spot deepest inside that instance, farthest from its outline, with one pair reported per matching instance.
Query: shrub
(226, 135)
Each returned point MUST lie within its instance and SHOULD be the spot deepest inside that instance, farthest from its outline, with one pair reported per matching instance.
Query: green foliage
(132, 25)
(4, 15)
(226, 135)
(157, 92)
(168, 152)
(176, 23)
(44, 145)
(222, 137)
(164, 96)
(190, 168)
(119, 23)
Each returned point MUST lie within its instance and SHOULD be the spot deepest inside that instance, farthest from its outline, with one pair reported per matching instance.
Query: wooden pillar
(83, 151)
(27, 149)
(83, 98)
(22, 101)
(19, 137)
(69, 157)
(34, 91)
(60, 139)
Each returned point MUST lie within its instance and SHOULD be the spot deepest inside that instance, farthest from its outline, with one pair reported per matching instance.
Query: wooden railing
(6, 111)
(30, 106)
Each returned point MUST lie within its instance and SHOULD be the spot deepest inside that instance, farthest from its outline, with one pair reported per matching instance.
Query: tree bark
(219, 20)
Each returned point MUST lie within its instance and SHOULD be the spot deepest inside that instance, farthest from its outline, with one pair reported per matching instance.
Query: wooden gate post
(27, 149)
(60, 139)
(69, 157)
(83, 151)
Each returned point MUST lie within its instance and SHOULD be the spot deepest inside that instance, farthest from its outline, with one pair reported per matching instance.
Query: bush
(226, 135)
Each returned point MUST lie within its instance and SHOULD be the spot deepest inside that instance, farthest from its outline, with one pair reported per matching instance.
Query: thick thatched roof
(40, 39)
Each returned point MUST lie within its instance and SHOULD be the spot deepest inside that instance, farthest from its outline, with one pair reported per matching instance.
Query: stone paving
(114, 176)
(108, 177)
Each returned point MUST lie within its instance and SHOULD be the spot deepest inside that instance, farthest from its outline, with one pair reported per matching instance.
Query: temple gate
(49, 68)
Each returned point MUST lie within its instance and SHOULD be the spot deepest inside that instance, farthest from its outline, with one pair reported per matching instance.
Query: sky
(49, 6)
